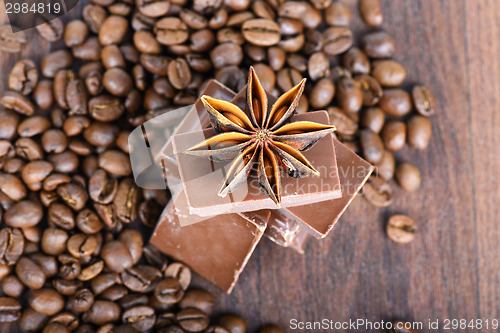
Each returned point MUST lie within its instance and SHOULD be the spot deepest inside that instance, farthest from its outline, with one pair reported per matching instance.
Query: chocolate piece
(202, 178)
(218, 249)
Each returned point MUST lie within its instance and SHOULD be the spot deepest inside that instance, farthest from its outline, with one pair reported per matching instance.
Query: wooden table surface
(451, 270)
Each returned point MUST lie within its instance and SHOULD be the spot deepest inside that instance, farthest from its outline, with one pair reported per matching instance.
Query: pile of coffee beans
(72, 254)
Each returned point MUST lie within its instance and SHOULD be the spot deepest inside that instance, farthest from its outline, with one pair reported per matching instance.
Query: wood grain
(451, 270)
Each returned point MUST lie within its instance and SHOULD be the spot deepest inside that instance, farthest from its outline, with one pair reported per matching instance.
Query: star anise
(260, 137)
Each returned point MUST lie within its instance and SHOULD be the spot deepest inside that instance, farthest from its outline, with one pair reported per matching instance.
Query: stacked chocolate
(216, 235)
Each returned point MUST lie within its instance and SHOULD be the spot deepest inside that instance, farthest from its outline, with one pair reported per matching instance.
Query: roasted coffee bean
(23, 77)
(408, 177)
(146, 42)
(54, 241)
(349, 95)
(153, 8)
(141, 278)
(232, 77)
(13, 165)
(92, 270)
(169, 291)
(155, 64)
(74, 125)
(15, 101)
(28, 149)
(276, 58)
(148, 212)
(94, 15)
(12, 187)
(8, 124)
(51, 30)
(318, 66)
(370, 89)
(232, 323)
(388, 73)
(115, 162)
(141, 317)
(93, 83)
(378, 45)
(387, 166)
(103, 312)
(69, 268)
(171, 31)
(193, 320)
(179, 73)
(112, 56)
(64, 322)
(395, 102)
(32, 321)
(102, 187)
(355, 61)
(88, 222)
(116, 256)
(193, 19)
(71, 286)
(89, 50)
(54, 141)
(12, 286)
(373, 118)
(198, 299)
(424, 100)
(11, 42)
(394, 135)
(371, 146)
(371, 12)
(133, 239)
(75, 33)
(82, 245)
(378, 192)
(337, 40)
(338, 14)
(82, 300)
(10, 310)
(117, 82)
(345, 124)
(33, 125)
(113, 30)
(73, 195)
(401, 228)
(261, 32)
(60, 215)
(419, 132)
(30, 273)
(155, 257)
(61, 81)
(11, 245)
(101, 134)
(55, 61)
(227, 54)
(24, 214)
(180, 272)
(106, 108)
(322, 93)
(104, 281)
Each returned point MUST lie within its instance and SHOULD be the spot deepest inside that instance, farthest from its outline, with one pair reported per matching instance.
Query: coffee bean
(89, 50)
(371, 12)
(113, 30)
(322, 93)
(378, 45)
(345, 124)
(88, 222)
(115, 162)
(371, 146)
(408, 177)
(192, 320)
(12, 286)
(337, 40)
(395, 102)
(155, 257)
(30, 273)
(75, 33)
(54, 241)
(226, 54)
(261, 32)
(141, 278)
(419, 132)
(169, 291)
(401, 228)
(12, 186)
(370, 89)
(24, 214)
(145, 42)
(338, 14)
(373, 118)
(11, 245)
(171, 31)
(232, 77)
(82, 245)
(133, 239)
(389, 73)
(117, 82)
(155, 64)
(198, 299)
(60, 215)
(349, 95)
(424, 100)
(103, 312)
(55, 61)
(378, 192)
(141, 317)
(17, 102)
(386, 166)
(93, 269)
(64, 322)
(94, 15)
(23, 77)
(10, 310)
(11, 42)
(82, 300)
(105, 108)
(153, 8)
(355, 61)
(179, 73)
(8, 124)
(101, 134)
(32, 321)
(116, 256)
(394, 135)
(73, 195)
(180, 272)
(232, 323)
